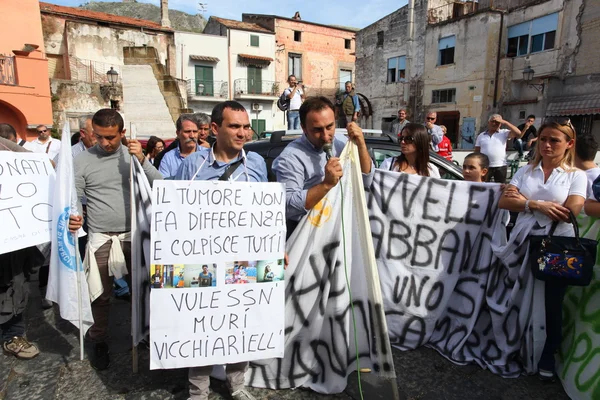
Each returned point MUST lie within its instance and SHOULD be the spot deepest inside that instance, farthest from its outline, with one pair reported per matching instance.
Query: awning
(204, 58)
(574, 105)
(248, 59)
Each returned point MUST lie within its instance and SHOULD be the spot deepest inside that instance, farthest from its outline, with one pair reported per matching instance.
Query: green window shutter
(254, 40)
(204, 81)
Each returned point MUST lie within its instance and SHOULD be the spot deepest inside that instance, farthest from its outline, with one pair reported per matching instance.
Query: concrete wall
(88, 41)
(548, 65)
(371, 63)
(473, 71)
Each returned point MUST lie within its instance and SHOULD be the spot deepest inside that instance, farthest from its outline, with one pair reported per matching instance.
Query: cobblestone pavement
(58, 374)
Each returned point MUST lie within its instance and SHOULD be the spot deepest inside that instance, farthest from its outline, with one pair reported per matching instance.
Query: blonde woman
(543, 192)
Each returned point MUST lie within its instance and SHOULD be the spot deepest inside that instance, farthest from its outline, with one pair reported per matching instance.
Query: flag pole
(79, 271)
(134, 349)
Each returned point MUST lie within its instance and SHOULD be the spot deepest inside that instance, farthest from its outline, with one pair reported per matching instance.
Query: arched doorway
(11, 115)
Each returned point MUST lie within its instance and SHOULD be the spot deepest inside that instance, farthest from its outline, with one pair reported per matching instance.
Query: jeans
(555, 293)
(519, 146)
(13, 327)
(293, 120)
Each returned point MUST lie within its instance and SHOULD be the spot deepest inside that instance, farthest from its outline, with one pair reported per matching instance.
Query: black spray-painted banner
(334, 307)
(26, 189)
(449, 279)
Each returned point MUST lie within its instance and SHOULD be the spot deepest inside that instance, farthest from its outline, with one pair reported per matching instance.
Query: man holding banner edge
(225, 160)
(305, 157)
(102, 175)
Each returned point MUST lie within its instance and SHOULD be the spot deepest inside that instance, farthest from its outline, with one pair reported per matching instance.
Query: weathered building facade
(513, 57)
(390, 55)
(82, 46)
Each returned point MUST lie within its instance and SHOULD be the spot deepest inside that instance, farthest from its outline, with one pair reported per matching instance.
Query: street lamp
(528, 76)
(113, 76)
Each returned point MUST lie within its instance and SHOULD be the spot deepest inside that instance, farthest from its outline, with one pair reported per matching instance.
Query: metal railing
(7, 70)
(255, 87)
(207, 88)
(90, 71)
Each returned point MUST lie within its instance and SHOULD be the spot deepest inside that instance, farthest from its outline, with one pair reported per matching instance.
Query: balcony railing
(255, 87)
(90, 71)
(7, 71)
(207, 88)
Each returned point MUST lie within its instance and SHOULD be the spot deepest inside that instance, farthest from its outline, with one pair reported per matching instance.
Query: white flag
(67, 284)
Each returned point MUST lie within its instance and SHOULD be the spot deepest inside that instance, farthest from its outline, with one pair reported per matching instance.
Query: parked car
(381, 146)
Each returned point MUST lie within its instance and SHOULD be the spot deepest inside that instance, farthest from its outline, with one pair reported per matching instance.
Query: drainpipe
(229, 64)
(410, 52)
(498, 60)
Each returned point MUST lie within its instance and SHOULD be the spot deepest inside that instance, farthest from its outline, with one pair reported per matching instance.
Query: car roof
(271, 146)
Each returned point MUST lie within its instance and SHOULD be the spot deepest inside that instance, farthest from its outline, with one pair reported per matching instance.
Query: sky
(353, 13)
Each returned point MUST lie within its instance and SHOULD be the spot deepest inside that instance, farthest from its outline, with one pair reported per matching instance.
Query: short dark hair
(315, 103)
(107, 117)
(185, 117)
(586, 147)
(530, 116)
(217, 112)
(7, 131)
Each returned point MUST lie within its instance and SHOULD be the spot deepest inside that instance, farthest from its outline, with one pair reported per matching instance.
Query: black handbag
(560, 259)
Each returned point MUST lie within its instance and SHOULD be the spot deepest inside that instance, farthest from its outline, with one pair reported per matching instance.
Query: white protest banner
(449, 279)
(217, 273)
(26, 189)
(334, 315)
(578, 364)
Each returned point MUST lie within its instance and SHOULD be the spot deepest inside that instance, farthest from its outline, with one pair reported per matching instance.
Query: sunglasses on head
(562, 121)
(406, 139)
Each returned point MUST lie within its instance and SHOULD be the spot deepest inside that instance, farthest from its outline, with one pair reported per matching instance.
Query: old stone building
(82, 46)
(513, 57)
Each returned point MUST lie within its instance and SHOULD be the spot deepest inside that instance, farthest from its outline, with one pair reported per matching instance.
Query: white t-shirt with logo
(494, 146)
(296, 100)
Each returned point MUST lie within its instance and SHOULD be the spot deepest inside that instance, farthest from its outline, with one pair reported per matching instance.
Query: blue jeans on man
(293, 119)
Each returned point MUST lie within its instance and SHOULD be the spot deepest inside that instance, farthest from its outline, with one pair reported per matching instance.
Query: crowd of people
(211, 147)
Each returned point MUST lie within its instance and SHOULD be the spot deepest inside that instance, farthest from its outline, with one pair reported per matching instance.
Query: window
(347, 44)
(345, 76)
(396, 70)
(204, 84)
(532, 36)
(380, 39)
(295, 65)
(443, 96)
(254, 40)
(521, 114)
(297, 36)
(446, 50)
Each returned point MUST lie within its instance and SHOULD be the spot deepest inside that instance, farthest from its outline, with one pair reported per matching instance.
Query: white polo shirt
(296, 100)
(51, 147)
(494, 146)
(560, 185)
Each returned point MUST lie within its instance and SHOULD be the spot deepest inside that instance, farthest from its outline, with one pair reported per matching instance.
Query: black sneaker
(546, 376)
(99, 358)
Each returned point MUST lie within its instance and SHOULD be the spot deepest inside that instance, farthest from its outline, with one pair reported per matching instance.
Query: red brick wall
(323, 54)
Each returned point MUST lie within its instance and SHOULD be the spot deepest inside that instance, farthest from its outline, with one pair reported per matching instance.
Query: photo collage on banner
(217, 273)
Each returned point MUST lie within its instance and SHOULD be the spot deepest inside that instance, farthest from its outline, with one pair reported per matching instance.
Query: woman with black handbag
(548, 194)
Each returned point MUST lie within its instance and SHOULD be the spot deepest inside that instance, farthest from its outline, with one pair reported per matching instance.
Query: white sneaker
(242, 394)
